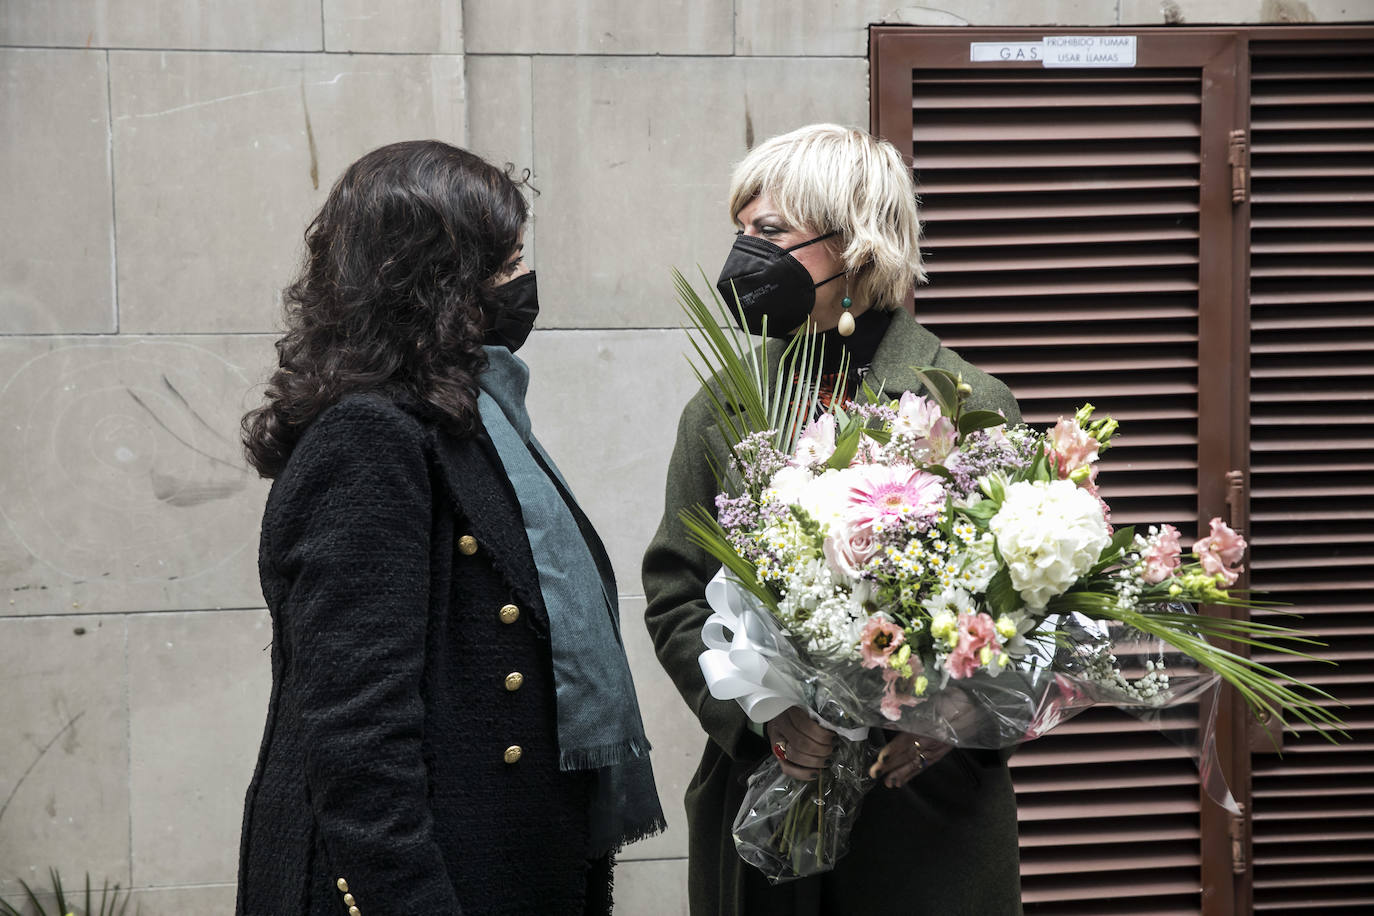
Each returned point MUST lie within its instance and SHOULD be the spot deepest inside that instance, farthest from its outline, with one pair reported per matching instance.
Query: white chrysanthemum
(787, 485)
(826, 497)
(1049, 534)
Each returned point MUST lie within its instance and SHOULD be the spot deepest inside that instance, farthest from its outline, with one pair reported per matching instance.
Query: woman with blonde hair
(827, 231)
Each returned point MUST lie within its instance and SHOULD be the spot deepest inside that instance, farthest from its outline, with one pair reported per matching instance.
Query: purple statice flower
(758, 460)
(873, 414)
(736, 512)
(979, 454)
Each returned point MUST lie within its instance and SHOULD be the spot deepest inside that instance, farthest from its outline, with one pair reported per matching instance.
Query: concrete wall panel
(255, 25)
(125, 487)
(222, 159)
(64, 766)
(396, 26)
(599, 27)
(198, 689)
(57, 231)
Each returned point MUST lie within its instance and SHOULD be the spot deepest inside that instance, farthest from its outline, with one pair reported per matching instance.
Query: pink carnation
(1161, 555)
(975, 632)
(880, 638)
(890, 494)
(1070, 448)
(1220, 552)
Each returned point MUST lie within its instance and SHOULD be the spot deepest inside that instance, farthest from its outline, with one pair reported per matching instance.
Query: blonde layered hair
(829, 178)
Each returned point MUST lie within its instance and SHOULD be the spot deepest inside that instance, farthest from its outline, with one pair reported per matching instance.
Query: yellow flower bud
(919, 686)
(1006, 627)
(1003, 659)
(985, 654)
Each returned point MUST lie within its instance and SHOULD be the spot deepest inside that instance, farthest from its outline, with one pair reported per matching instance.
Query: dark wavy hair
(391, 295)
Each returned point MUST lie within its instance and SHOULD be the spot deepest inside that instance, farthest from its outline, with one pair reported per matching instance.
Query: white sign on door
(1059, 51)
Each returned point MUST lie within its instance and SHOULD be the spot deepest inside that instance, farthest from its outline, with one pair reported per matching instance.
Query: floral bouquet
(927, 568)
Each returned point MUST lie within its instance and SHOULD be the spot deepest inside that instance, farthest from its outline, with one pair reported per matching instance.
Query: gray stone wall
(159, 161)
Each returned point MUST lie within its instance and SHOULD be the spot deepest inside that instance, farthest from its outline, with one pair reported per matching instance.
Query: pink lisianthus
(920, 418)
(879, 639)
(1070, 448)
(976, 632)
(1220, 552)
(1161, 555)
(887, 495)
(816, 443)
(849, 547)
(893, 699)
(915, 415)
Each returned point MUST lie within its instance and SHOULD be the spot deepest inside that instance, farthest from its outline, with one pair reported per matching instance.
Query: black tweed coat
(409, 763)
(942, 845)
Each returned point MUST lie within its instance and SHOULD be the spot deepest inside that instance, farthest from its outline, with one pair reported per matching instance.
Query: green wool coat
(945, 843)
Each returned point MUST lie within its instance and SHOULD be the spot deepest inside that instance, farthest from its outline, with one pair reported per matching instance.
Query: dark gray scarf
(599, 726)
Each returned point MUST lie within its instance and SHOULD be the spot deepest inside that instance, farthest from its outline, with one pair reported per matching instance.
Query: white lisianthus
(1049, 534)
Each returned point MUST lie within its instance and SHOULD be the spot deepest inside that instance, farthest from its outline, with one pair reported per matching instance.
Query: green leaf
(846, 445)
(942, 386)
(1002, 598)
(979, 419)
(938, 470)
(980, 511)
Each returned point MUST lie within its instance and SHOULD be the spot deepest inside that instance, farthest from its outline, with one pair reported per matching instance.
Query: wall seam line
(114, 210)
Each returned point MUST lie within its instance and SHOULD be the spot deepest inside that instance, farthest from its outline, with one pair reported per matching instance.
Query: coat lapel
(483, 498)
(905, 347)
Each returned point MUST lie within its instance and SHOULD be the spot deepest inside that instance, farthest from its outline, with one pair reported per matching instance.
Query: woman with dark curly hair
(452, 725)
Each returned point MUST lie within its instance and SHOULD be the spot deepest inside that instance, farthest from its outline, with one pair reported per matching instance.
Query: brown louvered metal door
(1080, 236)
(1312, 451)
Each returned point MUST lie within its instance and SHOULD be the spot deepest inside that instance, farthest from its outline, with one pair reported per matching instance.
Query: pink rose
(1220, 552)
(849, 548)
(816, 443)
(1161, 555)
(880, 638)
(976, 631)
(1070, 448)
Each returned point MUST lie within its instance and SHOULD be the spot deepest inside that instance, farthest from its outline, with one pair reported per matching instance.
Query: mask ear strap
(819, 238)
(828, 279)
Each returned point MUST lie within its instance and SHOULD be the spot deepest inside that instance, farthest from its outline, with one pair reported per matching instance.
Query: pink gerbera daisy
(885, 495)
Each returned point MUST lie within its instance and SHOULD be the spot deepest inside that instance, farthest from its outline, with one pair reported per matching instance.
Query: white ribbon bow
(736, 666)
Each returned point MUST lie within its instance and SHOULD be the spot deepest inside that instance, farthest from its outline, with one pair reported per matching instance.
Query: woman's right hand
(806, 744)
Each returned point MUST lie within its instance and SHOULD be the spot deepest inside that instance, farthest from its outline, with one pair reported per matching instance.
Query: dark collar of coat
(905, 347)
(490, 512)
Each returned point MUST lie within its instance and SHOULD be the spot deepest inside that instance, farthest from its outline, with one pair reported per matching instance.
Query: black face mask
(516, 307)
(770, 283)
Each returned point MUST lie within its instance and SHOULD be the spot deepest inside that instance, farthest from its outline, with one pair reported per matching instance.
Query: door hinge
(1240, 842)
(1239, 157)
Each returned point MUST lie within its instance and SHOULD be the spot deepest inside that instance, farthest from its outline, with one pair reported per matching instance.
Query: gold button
(342, 885)
(514, 753)
(510, 613)
(353, 911)
(514, 680)
(467, 545)
(348, 900)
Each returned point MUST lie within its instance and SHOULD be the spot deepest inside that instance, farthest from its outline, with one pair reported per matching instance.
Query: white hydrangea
(1049, 534)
